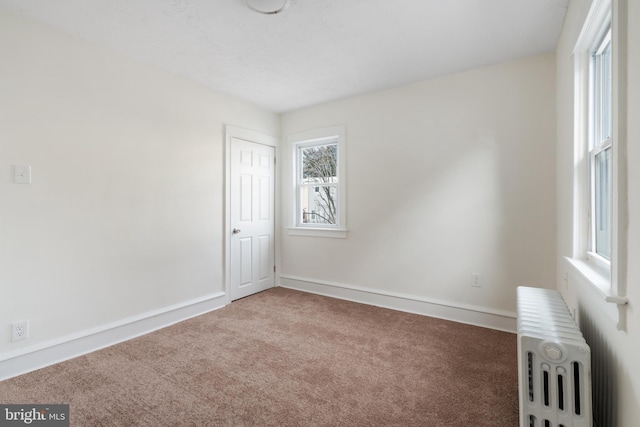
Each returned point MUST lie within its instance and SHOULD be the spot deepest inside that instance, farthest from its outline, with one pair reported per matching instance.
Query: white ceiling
(314, 51)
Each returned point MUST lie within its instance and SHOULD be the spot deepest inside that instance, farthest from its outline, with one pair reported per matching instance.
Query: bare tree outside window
(319, 184)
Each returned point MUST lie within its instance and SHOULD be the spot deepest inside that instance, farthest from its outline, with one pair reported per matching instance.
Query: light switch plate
(22, 174)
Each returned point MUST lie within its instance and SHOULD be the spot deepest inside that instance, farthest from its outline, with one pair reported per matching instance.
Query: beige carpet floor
(288, 358)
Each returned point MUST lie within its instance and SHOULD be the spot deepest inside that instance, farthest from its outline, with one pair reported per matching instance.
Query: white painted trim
(338, 233)
(259, 138)
(594, 25)
(611, 287)
(597, 284)
(501, 320)
(37, 356)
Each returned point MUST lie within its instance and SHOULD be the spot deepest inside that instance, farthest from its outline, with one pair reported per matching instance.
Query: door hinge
(274, 268)
(274, 160)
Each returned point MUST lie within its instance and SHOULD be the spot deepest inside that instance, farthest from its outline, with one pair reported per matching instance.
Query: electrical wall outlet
(476, 280)
(20, 330)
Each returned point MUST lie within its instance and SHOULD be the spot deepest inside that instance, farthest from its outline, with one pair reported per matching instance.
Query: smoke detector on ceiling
(267, 7)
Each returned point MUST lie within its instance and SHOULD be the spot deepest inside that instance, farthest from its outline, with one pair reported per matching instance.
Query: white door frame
(259, 138)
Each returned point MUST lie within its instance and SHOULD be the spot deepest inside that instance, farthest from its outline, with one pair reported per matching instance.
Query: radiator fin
(554, 363)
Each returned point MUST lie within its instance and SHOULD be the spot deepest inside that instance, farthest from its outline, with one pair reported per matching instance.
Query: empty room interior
(210, 168)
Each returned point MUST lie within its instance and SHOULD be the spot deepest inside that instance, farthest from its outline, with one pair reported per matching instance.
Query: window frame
(318, 137)
(300, 184)
(598, 143)
(605, 281)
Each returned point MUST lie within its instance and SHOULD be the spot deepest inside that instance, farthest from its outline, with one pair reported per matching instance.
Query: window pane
(606, 92)
(602, 203)
(318, 204)
(319, 164)
(602, 95)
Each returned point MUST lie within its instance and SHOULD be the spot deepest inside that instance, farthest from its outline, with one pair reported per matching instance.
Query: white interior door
(252, 179)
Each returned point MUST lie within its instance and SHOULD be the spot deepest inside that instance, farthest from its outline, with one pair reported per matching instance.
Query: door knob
(236, 230)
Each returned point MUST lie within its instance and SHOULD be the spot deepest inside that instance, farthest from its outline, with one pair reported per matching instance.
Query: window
(600, 178)
(600, 148)
(317, 183)
(319, 188)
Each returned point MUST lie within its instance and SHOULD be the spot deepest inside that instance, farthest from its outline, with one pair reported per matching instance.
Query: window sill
(336, 233)
(598, 277)
(597, 283)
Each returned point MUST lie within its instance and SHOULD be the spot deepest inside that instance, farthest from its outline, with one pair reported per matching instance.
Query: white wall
(445, 177)
(125, 213)
(615, 353)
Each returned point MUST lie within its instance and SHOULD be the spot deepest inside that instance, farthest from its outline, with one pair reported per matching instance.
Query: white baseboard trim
(472, 315)
(31, 358)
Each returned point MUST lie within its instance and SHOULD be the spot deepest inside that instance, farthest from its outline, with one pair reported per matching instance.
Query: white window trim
(596, 146)
(331, 140)
(310, 137)
(606, 280)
